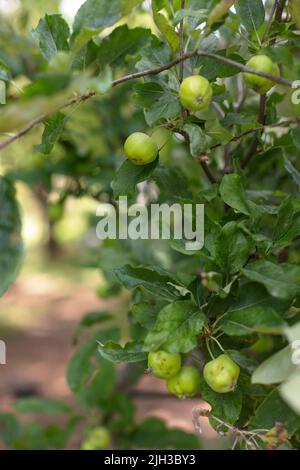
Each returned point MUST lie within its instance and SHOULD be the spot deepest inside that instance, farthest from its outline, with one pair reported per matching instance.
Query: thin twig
(258, 129)
(268, 26)
(207, 171)
(149, 72)
(279, 11)
(261, 119)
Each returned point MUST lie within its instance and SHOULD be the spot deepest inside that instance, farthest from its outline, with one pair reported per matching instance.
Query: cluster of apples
(195, 94)
(221, 374)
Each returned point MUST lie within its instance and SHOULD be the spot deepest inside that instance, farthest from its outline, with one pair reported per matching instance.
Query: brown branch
(279, 11)
(206, 169)
(261, 119)
(272, 13)
(202, 159)
(149, 72)
(40, 119)
(258, 129)
(245, 68)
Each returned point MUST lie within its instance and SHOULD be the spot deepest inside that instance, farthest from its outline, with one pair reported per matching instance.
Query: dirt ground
(38, 325)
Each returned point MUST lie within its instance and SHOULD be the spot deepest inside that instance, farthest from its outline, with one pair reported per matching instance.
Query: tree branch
(272, 13)
(149, 72)
(279, 11)
(258, 129)
(261, 119)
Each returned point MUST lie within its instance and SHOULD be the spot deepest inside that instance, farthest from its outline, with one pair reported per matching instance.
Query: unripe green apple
(262, 63)
(186, 383)
(195, 93)
(97, 439)
(164, 364)
(140, 148)
(221, 374)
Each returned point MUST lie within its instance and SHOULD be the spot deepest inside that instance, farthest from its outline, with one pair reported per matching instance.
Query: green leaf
(165, 27)
(41, 406)
(128, 5)
(102, 83)
(281, 280)
(166, 107)
(54, 126)
(155, 280)
(251, 13)
(80, 366)
(275, 369)
(226, 407)
(145, 314)
(292, 170)
(4, 72)
(11, 247)
(91, 319)
(274, 410)
(100, 388)
(131, 352)
(296, 137)
(119, 43)
(232, 248)
(212, 69)
(194, 17)
(94, 15)
(198, 141)
(129, 175)
(9, 428)
(254, 311)
(258, 321)
(288, 222)
(289, 391)
(217, 133)
(152, 433)
(233, 193)
(52, 32)
(176, 329)
(156, 54)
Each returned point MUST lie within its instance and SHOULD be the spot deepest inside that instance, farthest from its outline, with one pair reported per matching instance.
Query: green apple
(164, 364)
(97, 439)
(186, 383)
(222, 374)
(195, 93)
(264, 64)
(140, 148)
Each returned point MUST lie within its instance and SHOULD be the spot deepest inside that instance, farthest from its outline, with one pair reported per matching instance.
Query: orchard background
(74, 86)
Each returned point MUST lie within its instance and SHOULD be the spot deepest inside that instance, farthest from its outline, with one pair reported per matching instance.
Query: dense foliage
(225, 140)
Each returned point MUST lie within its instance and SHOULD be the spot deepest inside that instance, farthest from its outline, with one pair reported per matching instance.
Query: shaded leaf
(155, 280)
(11, 247)
(34, 405)
(52, 33)
(233, 193)
(131, 352)
(165, 27)
(119, 43)
(54, 126)
(129, 175)
(281, 280)
(274, 410)
(251, 13)
(176, 329)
